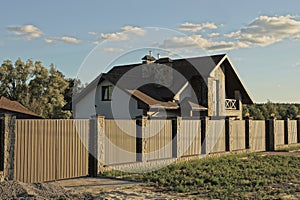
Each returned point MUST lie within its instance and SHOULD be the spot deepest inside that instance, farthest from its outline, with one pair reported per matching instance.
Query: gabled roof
(186, 68)
(15, 106)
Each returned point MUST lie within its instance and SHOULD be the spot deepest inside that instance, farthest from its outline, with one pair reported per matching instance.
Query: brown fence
(216, 136)
(43, 150)
(257, 135)
(120, 141)
(237, 130)
(279, 132)
(157, 135)
(190, 137)
(50, 149)
(292, 131)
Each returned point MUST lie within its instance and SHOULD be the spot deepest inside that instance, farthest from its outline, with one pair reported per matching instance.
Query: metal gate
(50, 149)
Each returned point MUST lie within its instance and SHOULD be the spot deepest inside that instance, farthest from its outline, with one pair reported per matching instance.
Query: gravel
(18, 190)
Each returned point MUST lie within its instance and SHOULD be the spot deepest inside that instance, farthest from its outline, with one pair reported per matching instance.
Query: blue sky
(262, 38)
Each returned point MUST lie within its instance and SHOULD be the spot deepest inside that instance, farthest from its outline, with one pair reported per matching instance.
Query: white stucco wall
(85, 108)
(122, 106)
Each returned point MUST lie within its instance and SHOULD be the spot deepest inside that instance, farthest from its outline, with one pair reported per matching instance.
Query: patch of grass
(244, 176)
(290, 148)
(123, 175)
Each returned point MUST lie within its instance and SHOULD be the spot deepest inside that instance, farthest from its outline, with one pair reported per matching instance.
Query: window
(107, 93)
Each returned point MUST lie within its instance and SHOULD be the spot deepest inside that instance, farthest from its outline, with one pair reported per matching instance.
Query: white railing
(230, 104)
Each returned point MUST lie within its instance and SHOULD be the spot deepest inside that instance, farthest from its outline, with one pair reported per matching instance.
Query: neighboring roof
(153, 103)
(15, 106)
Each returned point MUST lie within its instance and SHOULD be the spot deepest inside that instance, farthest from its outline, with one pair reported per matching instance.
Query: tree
(37, 88)
(264, 111)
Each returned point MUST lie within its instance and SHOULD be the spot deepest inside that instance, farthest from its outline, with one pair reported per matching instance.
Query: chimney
(147, 59)
(158, 56)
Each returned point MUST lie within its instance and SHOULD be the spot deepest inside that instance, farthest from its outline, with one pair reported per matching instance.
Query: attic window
(107, 92)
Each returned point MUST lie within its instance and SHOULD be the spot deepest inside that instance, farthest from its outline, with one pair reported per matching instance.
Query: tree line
(42, 90)
(266, 110)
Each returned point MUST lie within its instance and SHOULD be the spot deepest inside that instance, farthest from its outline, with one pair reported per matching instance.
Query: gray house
(162, 87)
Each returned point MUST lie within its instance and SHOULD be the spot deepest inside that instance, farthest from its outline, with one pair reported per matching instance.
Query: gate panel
(50, 149)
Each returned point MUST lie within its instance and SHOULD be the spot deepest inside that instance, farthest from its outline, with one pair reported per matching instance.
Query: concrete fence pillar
(101, 143)
(228, 142)
(140, 139)
(204, 131)
(286, 131)
(93, 147)
(176, 137)
(270, 134)
(7, 146)
(247, 132)
(298, 129)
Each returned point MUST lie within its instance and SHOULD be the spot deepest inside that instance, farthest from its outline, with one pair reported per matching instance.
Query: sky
(262, 38)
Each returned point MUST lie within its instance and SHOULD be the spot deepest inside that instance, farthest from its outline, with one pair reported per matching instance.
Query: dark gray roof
(127, 76)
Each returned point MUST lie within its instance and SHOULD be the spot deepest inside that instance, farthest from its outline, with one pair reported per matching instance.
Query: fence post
(228, 137)
(140, 140)
(93, 147)
(247, 132)
(270, 134)
(7, 149)
(176, 131)
(286, 131)
(101, 143)
(298, 128)
(204, 129)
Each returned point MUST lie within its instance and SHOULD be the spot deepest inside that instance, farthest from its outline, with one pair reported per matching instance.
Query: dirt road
(106, 188)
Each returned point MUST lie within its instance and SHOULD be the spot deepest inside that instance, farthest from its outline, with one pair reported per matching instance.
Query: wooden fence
(50, 149)
(152, 140)
(120, 141)
(44, 150)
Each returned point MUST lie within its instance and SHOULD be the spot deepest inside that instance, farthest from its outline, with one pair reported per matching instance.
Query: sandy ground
(282, 153)
(106, 188)
(92, 188)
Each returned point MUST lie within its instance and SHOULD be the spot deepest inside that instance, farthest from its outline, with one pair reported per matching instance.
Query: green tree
(264, 111)
(37, 88)
(55, 93)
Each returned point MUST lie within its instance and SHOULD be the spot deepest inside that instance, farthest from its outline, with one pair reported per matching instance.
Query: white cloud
(92, 33)
(112, 49)
(96, 42)
(124, 33)
(232, 34)
(114, 36)
(197, 41)
(27, 31)
(66, 39)
(209, 25)
(265, 30)
(196, 27)
(134, 29)
(297, 64)
(214, 34)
